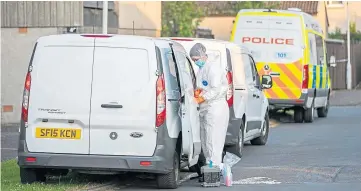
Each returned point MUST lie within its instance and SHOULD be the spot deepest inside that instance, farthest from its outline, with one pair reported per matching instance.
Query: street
(324, 155)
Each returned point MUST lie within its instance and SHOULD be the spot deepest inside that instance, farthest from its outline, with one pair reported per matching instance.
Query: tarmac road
(323, 155)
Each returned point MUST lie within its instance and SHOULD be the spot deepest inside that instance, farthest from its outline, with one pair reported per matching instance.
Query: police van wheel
(323, 111)
(171, 179)
(298, 115)
(309, 114)
(29, 176)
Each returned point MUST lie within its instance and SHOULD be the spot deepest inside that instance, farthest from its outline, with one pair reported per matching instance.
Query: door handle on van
(115, 106)
(255, 95)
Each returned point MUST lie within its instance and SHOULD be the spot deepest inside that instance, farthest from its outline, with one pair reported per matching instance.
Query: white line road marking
(10, 149)
(256, 180)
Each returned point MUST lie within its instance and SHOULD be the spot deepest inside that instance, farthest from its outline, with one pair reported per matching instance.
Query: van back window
(169, 69)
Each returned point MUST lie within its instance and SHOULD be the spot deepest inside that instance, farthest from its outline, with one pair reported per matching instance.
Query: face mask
(200, 63)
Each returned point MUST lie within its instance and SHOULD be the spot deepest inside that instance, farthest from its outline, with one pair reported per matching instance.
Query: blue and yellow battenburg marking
(320, 77)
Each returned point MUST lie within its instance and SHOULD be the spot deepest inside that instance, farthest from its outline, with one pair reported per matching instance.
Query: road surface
(323, 155)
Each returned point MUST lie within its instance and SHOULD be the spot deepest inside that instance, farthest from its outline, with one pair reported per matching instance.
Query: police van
(289, 45)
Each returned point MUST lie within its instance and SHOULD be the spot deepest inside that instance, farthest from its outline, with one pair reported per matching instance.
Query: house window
(335, 3)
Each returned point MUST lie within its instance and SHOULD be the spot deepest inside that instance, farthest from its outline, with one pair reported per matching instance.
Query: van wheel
(309, 114)
(323, 111)
(298, 115)
(262, 140)
(29, 176)
(171, 179)
(197, 167)
(238, 148)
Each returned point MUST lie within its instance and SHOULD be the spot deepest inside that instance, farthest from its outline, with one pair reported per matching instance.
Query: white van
(108, 103)
(248, 106)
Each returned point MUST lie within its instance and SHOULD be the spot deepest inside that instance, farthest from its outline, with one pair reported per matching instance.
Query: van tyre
(29, 176)
(262, 140)
(323, 111)
(298, 115)
(171, 179)
(309, 114)
(238, 147)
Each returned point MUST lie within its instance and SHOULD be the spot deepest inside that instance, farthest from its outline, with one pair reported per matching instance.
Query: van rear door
(59, 103)
(123, 103)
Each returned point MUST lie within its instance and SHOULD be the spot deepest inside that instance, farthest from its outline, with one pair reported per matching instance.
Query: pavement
(323, 155)
(346, 98)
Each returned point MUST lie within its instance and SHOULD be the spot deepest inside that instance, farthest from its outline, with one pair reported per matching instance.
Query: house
(221, 16)
(144, 16)
(337, 14)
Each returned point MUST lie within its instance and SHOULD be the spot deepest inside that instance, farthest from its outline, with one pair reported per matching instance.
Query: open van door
(189, 112)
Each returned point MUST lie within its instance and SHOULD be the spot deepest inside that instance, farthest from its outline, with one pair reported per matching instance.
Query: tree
(180, 18)
(354, 34)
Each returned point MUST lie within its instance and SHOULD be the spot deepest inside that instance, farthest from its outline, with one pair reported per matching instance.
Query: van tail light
(230, 89)
(26, 94)
(305, 77)
(161, 102)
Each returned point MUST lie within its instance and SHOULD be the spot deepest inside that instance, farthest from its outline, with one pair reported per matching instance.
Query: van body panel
(124, 75)
(282, 38)
(59, 100)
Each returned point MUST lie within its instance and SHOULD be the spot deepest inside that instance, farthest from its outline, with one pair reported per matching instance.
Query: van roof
(310, 22)
(226, 43)
(62, 37)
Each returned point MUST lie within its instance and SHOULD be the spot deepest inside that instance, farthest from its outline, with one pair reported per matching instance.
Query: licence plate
(58, 133)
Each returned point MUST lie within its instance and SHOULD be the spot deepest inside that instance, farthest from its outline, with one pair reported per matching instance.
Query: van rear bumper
(161, 161)
(159, 164)
(305, 100)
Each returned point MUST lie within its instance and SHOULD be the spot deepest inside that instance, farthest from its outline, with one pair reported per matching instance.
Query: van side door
(191, 142)
(254, 96)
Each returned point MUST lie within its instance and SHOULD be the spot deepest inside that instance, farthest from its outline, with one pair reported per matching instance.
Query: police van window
(320, 50)
(312, 48)
(247, 69)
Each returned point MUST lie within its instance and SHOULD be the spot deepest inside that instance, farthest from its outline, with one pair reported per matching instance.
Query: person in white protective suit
(214, 112)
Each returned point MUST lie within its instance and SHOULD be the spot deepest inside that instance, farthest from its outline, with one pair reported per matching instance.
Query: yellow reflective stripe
(278, 91)
(234, 28)
(296, 72)
(318, 76)
(324, 79)
(310, 75)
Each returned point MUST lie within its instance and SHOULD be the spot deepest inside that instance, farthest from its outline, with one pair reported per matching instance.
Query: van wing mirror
(267, 82)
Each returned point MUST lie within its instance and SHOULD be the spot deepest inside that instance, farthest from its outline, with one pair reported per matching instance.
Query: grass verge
(10, 180)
